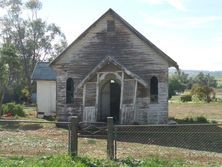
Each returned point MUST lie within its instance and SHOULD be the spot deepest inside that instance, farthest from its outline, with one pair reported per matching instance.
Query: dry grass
(46, 139)
(51, 140)
(33, 140)
(211, 111)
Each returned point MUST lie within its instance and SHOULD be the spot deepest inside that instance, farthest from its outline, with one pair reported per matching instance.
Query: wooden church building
(112, 70)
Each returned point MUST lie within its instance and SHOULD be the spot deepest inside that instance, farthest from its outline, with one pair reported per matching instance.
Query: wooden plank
(121, 98)
(73, 136)
(134, 100)
(110, 141)
(97, 96)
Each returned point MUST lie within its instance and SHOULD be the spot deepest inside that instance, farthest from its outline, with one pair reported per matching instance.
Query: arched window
(69, 91)
(154, 90)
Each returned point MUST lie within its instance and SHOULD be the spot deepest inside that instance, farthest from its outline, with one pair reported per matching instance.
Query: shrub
(13, 109)
(186, 97)
(201, 119)
(188, 120)
(203, 93)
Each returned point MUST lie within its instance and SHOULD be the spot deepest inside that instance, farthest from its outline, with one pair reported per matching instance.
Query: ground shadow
(15, 126)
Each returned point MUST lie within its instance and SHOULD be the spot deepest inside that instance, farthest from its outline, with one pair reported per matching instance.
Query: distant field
(219, 92)
(211, 111)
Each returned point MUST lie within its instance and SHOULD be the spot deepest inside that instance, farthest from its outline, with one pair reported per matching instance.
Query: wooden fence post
(73, 144)
(110, 144)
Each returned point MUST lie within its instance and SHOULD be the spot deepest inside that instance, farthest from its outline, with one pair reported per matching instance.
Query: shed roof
(43, 71)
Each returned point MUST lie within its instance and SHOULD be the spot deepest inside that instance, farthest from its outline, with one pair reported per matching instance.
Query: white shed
(45, 79)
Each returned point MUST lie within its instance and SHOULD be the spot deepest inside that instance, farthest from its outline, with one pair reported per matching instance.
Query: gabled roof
(43, 71)
(106, 61)
(170, 61)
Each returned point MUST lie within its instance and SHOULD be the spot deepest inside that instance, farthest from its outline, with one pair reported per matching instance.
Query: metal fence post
(110, 145)
(73, 144)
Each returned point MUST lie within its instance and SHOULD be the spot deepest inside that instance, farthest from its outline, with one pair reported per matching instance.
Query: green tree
(178, 82)
(3, 82)
(205, 80)
(34, 39)
(4, 73)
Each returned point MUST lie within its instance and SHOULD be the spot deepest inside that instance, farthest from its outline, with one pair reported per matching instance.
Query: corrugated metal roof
(43, 71)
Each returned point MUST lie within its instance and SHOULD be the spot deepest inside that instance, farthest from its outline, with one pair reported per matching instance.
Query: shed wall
(46, 97)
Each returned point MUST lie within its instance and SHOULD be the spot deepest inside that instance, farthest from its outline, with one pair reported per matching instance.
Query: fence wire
(170, 141)
(30, 138)
(92, 140)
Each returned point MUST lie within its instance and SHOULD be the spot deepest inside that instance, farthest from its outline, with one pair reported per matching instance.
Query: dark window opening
(110, 26)
(69, 91)
(154, 90)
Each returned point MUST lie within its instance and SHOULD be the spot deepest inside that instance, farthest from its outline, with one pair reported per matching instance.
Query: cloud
(192, 57)
(217, 39)
(177, 4)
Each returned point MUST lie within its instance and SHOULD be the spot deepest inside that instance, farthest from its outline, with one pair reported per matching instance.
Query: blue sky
(189, 31)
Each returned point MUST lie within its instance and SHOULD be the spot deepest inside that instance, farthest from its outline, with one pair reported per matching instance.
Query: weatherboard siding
(127, 49)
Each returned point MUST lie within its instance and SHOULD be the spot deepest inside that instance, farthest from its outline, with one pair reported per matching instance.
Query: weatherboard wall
(127, 49)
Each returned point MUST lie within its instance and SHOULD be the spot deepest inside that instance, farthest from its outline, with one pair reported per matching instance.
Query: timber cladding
(111, 53)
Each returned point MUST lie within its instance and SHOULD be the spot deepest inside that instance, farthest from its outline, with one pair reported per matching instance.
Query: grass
(219, 91)
(211, 111)
(67, 161)
(32, 141)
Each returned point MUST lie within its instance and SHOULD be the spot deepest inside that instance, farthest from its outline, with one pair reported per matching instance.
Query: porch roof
(106, 61)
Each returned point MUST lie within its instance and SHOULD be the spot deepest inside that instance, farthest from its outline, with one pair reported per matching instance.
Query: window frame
(154, 89)
(69, 91)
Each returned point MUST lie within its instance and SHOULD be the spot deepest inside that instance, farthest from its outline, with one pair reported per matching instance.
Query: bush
(195, 120)
(13, 109)
(186, 97)
(203, 93)
(201, 119)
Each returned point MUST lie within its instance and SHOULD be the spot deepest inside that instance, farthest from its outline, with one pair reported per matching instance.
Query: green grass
(67, 161)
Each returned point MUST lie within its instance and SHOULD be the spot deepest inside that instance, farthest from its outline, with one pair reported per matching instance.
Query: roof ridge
(131, 28)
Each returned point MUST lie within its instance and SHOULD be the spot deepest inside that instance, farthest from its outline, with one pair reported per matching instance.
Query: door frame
(102, 79)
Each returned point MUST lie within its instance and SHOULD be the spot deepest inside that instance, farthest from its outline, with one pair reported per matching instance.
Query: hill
(216, 74)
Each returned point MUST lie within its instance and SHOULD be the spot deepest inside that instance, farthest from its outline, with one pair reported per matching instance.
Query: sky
(189, 31)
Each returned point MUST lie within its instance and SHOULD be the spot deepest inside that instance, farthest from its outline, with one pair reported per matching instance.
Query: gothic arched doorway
(110, 101)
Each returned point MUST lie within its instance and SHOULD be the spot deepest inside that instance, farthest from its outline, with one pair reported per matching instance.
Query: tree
(205, 80)
(7, 59)
(34, 39)
(178, 82)
(203, 92)
(202, 87)
(15, 82)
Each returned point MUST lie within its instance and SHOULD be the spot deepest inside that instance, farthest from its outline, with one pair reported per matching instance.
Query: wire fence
(188, 142)
(98, 140)
(32, 138)
(92, 140)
